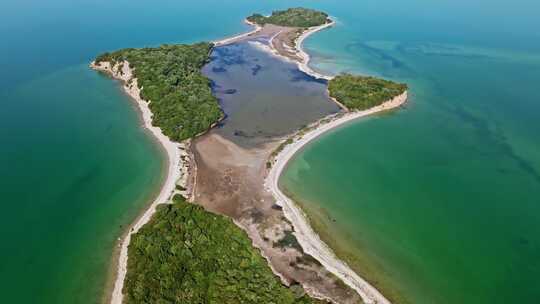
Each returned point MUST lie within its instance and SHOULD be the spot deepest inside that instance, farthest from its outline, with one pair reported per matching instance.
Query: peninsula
(221, 231)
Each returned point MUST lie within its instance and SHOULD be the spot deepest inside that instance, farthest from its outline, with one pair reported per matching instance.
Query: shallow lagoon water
(262, 96)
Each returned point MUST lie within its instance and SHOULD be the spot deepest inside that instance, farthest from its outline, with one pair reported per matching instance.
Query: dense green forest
(171, 78)
(185, 254)
(296, 17)
(360, 93)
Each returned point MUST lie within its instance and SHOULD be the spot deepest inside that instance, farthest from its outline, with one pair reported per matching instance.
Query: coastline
(304, 65)
(307, 237)
(174, 172)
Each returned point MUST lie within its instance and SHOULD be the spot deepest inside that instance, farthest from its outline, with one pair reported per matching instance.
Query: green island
(292, 17)
(170, 77)
(363, 92)
(185, 254)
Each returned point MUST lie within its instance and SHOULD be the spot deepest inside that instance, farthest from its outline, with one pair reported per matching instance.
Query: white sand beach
(174, 171)
(310, 241)
(304, 65)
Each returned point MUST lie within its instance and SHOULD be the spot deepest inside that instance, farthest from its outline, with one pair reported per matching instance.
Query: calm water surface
(76, 166)
(438, 202)
(263, 97)
(440, 199)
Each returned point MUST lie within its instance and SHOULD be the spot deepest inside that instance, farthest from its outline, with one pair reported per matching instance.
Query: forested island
(363, 92)
(292, 17)
(188, 255)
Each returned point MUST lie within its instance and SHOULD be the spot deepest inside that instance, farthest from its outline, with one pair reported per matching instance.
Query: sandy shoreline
(307, 237)
(235, 38)
(304, 65)
(301, 58)
(309, 240)
(174, 172)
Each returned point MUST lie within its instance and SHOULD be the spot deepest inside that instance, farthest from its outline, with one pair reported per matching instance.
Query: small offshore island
(221, 230)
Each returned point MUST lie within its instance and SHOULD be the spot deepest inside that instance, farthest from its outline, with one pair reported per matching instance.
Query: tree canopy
(171, 78)
(185, 254)
(294, 17)
(361, 93)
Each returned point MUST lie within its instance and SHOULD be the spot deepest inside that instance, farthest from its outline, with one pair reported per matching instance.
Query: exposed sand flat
(235, 181)
(280, 45)
(285, 42)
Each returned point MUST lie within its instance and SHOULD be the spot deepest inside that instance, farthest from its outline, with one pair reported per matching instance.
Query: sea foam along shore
(174, 171)
(309, 239)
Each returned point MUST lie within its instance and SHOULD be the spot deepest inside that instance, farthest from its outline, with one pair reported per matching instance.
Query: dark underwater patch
(297, 75)
(219, 70)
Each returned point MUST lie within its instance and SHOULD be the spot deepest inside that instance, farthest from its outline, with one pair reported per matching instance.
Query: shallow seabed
(436, 203)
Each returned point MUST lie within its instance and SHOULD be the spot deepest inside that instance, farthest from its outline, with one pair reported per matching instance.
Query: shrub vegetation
(171, 78)
(294, 17)
(361, 93)
(185, 254)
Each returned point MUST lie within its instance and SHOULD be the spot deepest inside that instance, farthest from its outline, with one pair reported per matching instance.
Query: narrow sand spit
(309, 240)
(304, 65)
(174, 172)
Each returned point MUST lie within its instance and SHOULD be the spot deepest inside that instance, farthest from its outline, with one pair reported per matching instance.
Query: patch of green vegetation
(170, 77)
(360, 93)
(294, 17)
(307, 259)
(185, 254)
(282, 146)
(289, 240)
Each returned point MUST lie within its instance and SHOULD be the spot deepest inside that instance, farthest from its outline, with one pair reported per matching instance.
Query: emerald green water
(71, 173)
(440, 199)
(437, 202)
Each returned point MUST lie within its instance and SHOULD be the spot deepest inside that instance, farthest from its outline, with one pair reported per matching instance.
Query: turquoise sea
(439, 200)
